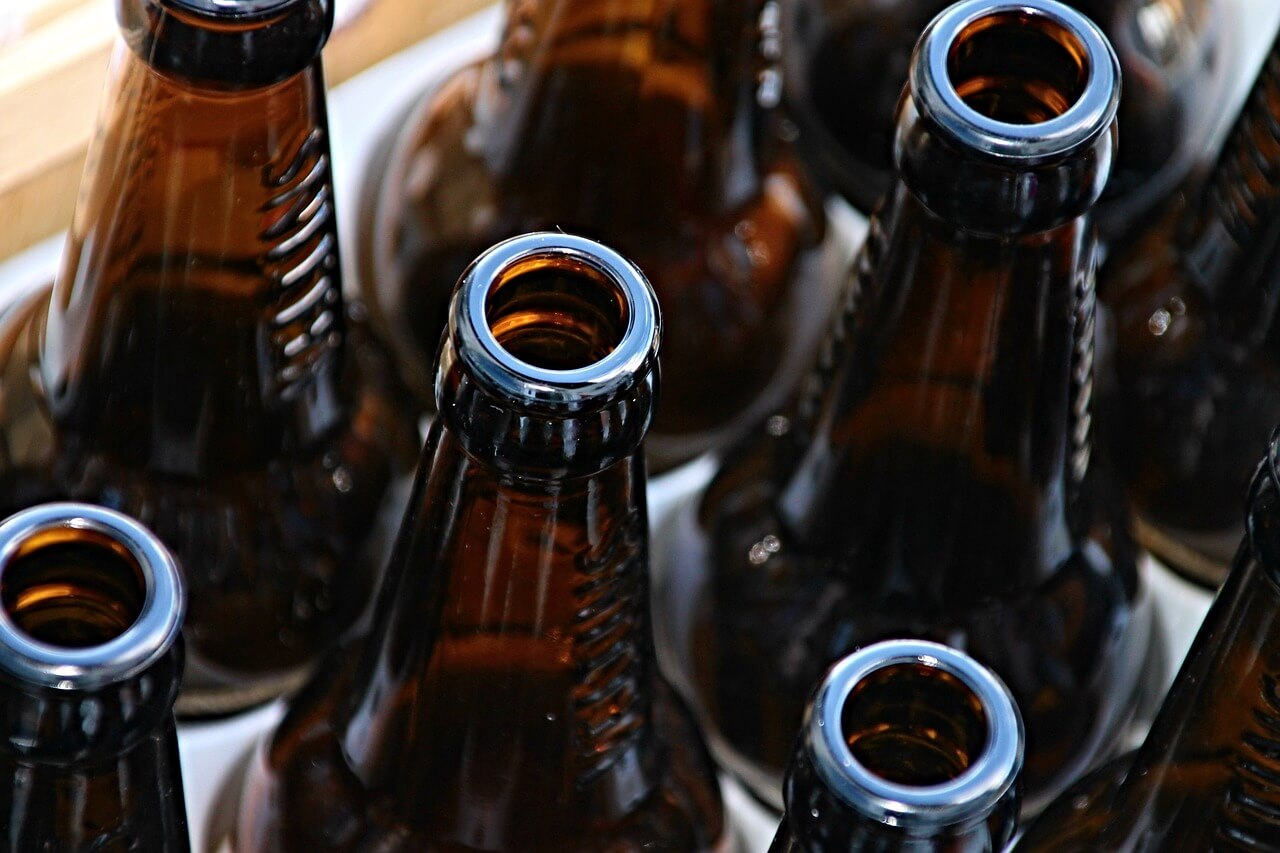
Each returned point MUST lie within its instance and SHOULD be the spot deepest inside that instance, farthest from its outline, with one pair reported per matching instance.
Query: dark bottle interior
(89, 757)
(847, 63)
(195, 365)
(645, 125)
(1196, 354)
(905, 746)
(507, 697)
(1205, 776)
(938, 477)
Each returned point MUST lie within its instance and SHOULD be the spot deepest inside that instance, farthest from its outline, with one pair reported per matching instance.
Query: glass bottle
(507, 697)
(905, 746)
(1198, 352)
(937, 476)
(195, 366)
(1204, 779)
(90, 608)
(650, 126)
(847, 61)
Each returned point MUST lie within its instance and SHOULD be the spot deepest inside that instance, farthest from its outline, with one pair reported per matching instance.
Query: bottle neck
(959, 375)
(1235, 238)
(1205, 769)
(81, 766)
(197, 321)
(511, 661)
(695, 81)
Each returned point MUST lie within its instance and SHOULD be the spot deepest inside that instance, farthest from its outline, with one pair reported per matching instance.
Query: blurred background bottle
(507, 698)
(651, 126)
(1198, 352)
(938, 476)
(847, 61)
(905, 746)
(89, 667)
(195, 365)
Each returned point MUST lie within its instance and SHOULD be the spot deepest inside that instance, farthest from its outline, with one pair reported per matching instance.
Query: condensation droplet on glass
(342, 479)
(777, 426)
(1080, 803)
(551, 717)
(789, 131)
(769, 92)
(813, 812)
(764, 549)
(1158, 323)
(1177, 307)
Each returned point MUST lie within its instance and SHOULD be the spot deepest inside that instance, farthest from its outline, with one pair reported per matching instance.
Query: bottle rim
(229, 9)
(144, 642)
(514, 379)
(1092, 113)
(973, 793)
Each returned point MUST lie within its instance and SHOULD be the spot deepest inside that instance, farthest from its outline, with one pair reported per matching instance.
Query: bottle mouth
(1024, 81)
(915, 734)
(554, 320)
(87, 596)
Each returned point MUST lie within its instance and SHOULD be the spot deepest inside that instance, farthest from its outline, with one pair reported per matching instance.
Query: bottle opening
(914, 724)
(73, 588)
(556, 313)
(1018, 68)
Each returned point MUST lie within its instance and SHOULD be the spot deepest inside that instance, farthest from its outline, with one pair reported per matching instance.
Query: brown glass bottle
(1198, 352)
(90, 608)
(905, 746)
(507, 697)
(847, 61)
(648, 125)
(195, 365)
(938, 477)
(1204, 779)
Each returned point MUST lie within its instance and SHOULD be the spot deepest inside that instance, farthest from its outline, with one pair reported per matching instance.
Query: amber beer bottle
(1205, 777)
(846, 62)
(90, 608)
(938, 476)
(905, 746)
(507, 698)
(648, 125)
(194, 366)
(1198, 348)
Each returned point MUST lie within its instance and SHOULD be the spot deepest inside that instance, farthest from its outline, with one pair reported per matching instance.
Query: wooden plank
(51, 82)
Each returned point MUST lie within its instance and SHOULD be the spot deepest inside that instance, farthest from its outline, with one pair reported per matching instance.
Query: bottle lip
(1091, 115)
(137, 647)
(229, 9)
(516, 380)
(976, 791)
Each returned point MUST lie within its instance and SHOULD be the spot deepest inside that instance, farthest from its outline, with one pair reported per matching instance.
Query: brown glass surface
(847, 63)
(195, 367)
(86, 769)
(1196, 354)
(506, 698)
(645, 125)
(937, 478)
(1205, 779)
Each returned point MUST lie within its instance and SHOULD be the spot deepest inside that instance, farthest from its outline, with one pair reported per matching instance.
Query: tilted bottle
(90, 608)
(1204, 779)
(507, 697)
(195, 365)
(846, 62)
(649, 126)
(937, 477)
(905, 746)
(1198, 347)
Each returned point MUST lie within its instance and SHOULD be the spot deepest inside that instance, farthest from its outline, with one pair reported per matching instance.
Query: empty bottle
(1198, 351)
(905, 746)
(1205, 777)
(507, 697)
(90, 608)
(194, 365)
(937, 476)
(647, 125)
(847, 62)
